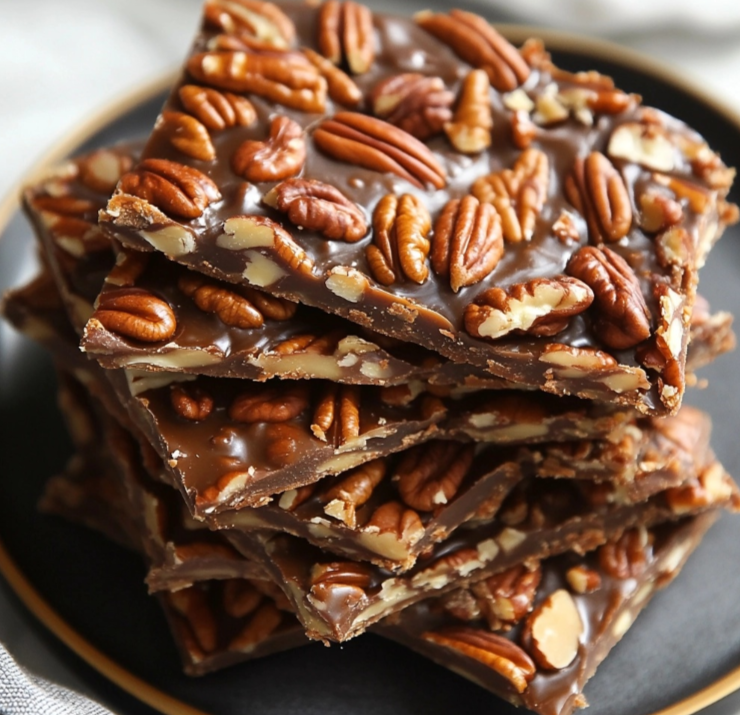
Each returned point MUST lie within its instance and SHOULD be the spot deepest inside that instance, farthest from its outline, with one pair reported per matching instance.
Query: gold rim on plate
(554, 40)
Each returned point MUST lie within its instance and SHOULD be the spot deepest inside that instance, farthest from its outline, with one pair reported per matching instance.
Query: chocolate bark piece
(454, 632)
(372, 230)
(338, 599)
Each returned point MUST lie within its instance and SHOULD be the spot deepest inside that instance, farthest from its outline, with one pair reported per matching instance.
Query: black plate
(686, 640)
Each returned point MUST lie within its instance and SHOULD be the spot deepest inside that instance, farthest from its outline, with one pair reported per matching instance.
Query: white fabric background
(63, 59)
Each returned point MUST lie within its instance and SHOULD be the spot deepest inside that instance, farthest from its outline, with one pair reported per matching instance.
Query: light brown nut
(400, 245)
(467, 243)
(626, 557)
(129, 266)
(342, 88)
(191, 603)
(565, 228)
(418, 104)
(283, 442)
(658, 212)
(240, 597)
(518, 194)
(583, 579)
(279, 157)
(320, 207)
(461, 604)
(505, 598)
(176, 189)
(293, 498)
(264, 621)
(708, 166)
(394, 518)
(337, 414)
(379, 146)
(310, 344)
(470, 129)
(711, 487)
(346, 32)
(698, 198)
(186, 134)
(270, 404)
(674, 247)
(495, 651)
(137, 314)
(430, 475)
(289, 79)
(542, 306)
(264, 21)
(191, 403)
(353, 490)
(645, 143)
(553, 631)
(101, 170)
(217, 110)
(270, 306)
(211, 297)
(341, 573)
(523, 129)
(65, 205)
(597, 191)
(622, 317)
(477, 43)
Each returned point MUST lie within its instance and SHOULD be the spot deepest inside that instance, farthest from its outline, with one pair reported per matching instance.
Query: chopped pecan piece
(400, 246)
(467, 243)
(270, 404)
(308, 343)
(583, 579)
(476, 42)
(523, 129)
(101, 169)
(136, 313)
(232, 309)
(712, 486)
(264, 621)
(470, 129)
(186, 134)
(264, 21)
(346, 32)
(698, 198)
(626, 557)
(342, 88)
(217, 110)
(191, 603)
(351, 492)
(658, 212)
(542, 306)
(505, 598)
(379, 146)
(279, 157)
(645, 143)
(337, 412)
(192, 403)
(623, 319)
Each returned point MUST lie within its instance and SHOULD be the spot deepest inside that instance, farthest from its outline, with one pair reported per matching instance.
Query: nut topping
(346, 31)
(470, 130)
(320, 207)
(349, 494)
(137, 314)
(279, 157)
(341, 573)
(270, 404)
(658, 212)
(622, 317)
(553, 631)
(474, 40)
(338, 411)
(342, 88)
(645, 144)
(186, 134)
(467, 243)
(264, 21)
(217, 110)
(627, 556)
(379, 146)
(430, 475)
(400, 246)
(101, 170)
(394, 518)
(232, 308)
(495, 651)
(505, 598)
(176, 189)
(542, 306)
(192, 403)
(523, 129)
(583, 579)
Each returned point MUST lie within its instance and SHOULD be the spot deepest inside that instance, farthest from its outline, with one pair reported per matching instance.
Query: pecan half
(623, 319)
(232, 309)
(341, 573)
(430, 475)
(264, 21)
(505, 598)
(217, 110)
(101, 170)
(270, 404)
(280, 156)
(394, 518)
(627, 556)
(342, 88)
(319, 207)
(191, 403)
(495, 651)
(418, 104)
(379, 146)
(518, 194)
(597, 191)
(337, 413)
(542, 306)
(310, 344)
(176, 189)
(136, 313)
(346, 31)
(470, 129)
(658, 212)
(270, 306)
(186, 134)
(283, 443)
(474, 40)
(400, 246)
(467, 243)
(352, 491)
(289, 80)
(523, 129)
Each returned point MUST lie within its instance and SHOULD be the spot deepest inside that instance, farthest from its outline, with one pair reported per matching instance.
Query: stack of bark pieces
(367, 347)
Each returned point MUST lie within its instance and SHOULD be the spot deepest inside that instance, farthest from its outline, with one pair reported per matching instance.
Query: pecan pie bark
(542, 225)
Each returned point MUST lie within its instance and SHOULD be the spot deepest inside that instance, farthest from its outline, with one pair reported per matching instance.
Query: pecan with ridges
(523, 129)
(310, 344)
(505, 598)
(461, 604)
(136, 313)
(346, 32)
(622, 317)
(583, 579)
(597, 191)
(217, 110)
(430, 475)
(356, 488)
(192, 403)
(186, 134)
(518, 194)
(542, 306)
(495, 651)
(478, 44)
(342, 88)
(129, 266)
(470, 129)
(320, 207)
(658, 212)
(101, 170)
(341, 573)
(417, 104)
(284, 442)
(64, 205)
(232, 309)
(400, 245)
(176, 189)
(467, 243)
(379, 146)
(279, 157)
(270, 306)
(625, 557)
(270, 404)
(698, 198)
(337, 412)
(264, 21)
(191, 603)
(394, 518)
(288, 80)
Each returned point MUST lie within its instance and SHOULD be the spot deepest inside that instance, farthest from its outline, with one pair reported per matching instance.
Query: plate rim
(40, 608)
